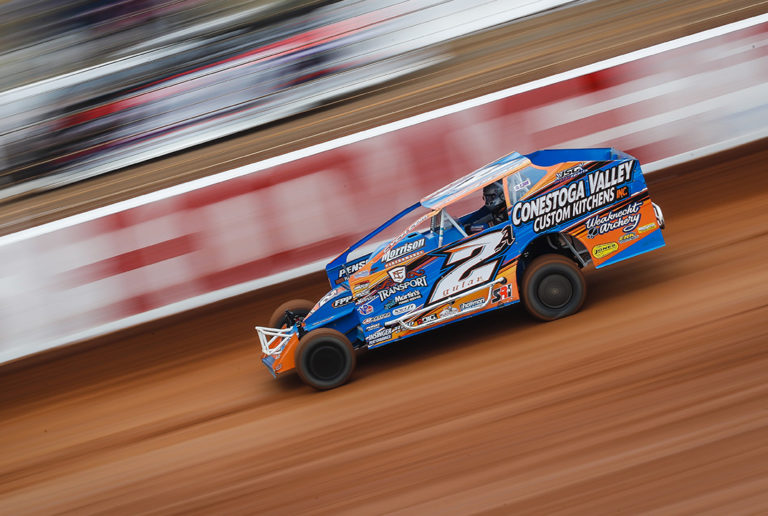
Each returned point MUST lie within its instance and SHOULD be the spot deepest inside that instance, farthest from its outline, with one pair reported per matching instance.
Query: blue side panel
(649, 243)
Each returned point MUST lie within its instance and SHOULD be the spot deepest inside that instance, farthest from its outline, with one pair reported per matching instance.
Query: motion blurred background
(90, 87)
(166, 165)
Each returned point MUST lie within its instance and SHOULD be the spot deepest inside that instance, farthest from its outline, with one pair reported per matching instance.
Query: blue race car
(543, 217)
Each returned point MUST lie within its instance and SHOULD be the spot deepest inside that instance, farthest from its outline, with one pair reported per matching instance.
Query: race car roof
(477, 179)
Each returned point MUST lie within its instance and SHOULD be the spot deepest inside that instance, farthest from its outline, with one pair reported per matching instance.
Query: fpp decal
(342, 301)
(570, 201)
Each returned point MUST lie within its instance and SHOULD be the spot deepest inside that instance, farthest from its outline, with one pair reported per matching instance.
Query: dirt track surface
(513, 54)
(654, 398)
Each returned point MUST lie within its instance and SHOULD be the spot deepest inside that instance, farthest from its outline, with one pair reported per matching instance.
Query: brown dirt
(652, 399)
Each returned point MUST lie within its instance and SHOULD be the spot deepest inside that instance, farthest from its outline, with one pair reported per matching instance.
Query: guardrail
(213, 238)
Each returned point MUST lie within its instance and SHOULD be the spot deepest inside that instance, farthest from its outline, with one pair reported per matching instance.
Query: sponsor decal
(403, 298)
(351, 268)
(404, 309)
(342, 301)
(448, 311)
(365, 309)
(524, 184)
(571, 172)
(626, 218)
(380, 335)
(627, 238)
(330, 295)
(372, 327)
(397, 274)
(427, 319)
(406, 258)
(647, 227)
(599, 251)
(386, 293)
(553, 208)
(375, 318)
(502, 293)
(360, 289)
(471, 305)
(402, 250)
(471, 263)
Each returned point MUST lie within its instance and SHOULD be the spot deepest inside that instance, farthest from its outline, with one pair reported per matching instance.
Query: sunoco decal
(598, 189)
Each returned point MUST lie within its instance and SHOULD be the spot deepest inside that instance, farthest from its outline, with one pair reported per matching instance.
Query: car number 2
(471, 263)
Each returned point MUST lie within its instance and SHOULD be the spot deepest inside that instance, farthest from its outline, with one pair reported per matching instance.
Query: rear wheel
(325, 358)
(553, 287)
(299, 307)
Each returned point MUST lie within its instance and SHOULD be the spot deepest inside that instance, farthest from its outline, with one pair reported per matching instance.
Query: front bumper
(278, 348)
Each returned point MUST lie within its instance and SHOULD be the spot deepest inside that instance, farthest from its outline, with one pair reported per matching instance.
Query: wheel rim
(555, 291)
(326, 362)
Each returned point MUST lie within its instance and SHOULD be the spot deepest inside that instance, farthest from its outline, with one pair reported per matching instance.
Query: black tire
(553, 287)
(325, 358)
(300, 307)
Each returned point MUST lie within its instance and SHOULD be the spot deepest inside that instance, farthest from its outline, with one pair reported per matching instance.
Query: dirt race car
(543, 217)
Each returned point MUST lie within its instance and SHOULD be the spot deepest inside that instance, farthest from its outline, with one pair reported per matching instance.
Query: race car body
(546, 216)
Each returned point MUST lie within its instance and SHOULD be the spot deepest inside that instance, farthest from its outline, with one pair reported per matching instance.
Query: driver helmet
(493, 195)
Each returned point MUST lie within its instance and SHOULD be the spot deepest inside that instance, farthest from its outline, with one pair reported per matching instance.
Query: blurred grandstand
(92, 87)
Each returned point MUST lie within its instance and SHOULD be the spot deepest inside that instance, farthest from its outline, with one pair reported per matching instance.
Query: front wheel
(325, 358)
(553, 287)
